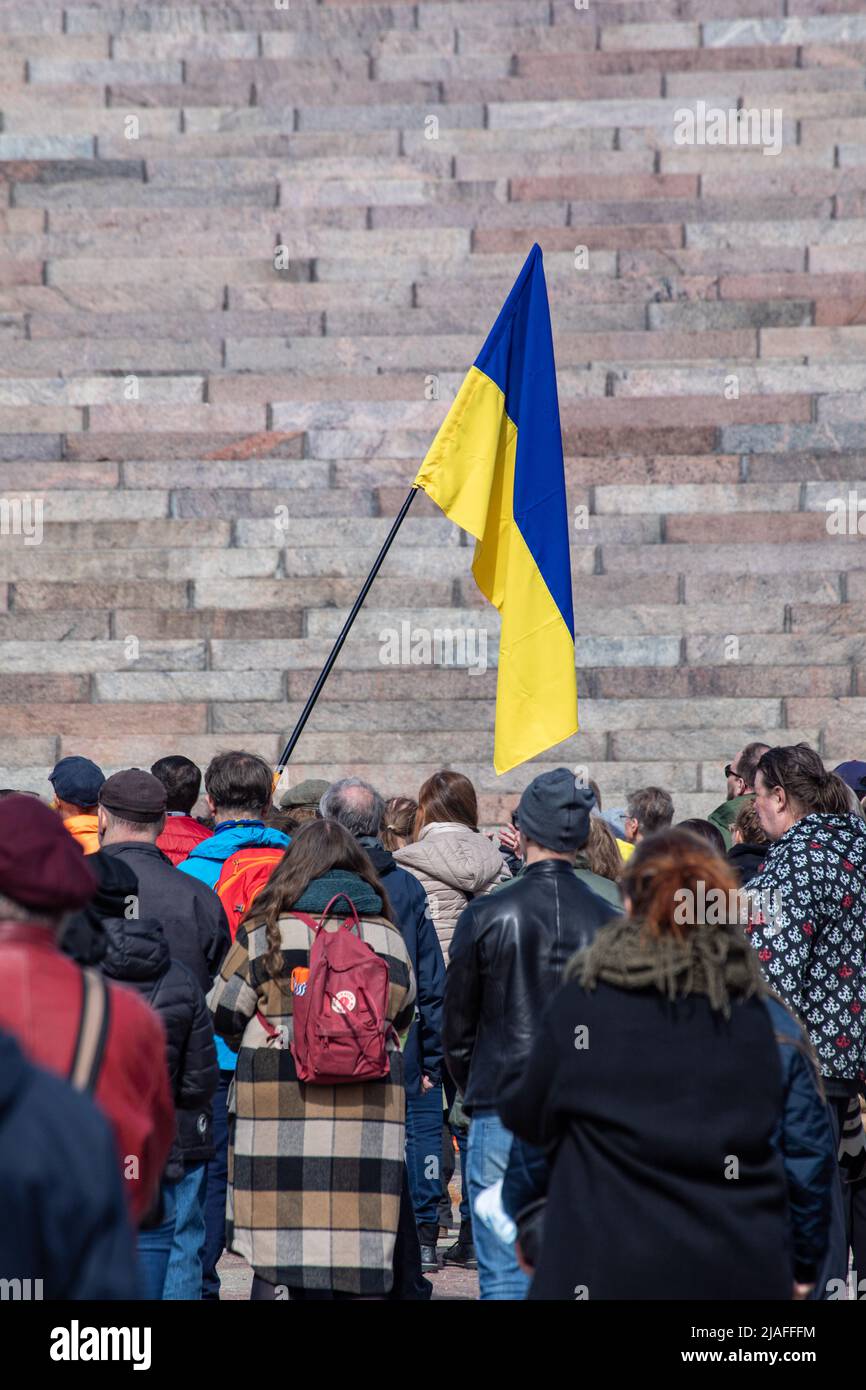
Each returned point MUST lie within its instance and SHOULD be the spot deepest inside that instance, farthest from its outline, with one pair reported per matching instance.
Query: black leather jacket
(507, 957)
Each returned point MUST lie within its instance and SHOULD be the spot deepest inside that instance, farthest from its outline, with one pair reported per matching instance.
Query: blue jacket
(205, 863)
(804, 1138)
(422, 1054)
(206, 860)
(64, 1212)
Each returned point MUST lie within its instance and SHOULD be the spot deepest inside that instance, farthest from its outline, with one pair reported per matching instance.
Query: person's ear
(210, 804)
(101, 821)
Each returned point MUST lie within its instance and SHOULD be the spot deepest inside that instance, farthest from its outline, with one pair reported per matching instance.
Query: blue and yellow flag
(495, 468)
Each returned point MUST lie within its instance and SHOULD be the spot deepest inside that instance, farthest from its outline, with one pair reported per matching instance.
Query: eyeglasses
(729, 772)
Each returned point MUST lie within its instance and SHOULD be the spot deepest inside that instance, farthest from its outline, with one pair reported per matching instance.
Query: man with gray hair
(359, 808)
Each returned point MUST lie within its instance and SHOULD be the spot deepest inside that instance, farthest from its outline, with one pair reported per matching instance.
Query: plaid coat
(315, 1172)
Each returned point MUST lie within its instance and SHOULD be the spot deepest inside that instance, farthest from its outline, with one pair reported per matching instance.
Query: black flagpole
(335, 650)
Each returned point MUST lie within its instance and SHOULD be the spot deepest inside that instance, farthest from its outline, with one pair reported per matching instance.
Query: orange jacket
(83, 829)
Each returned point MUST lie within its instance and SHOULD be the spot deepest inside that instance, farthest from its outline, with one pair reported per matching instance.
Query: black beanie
(554, 811)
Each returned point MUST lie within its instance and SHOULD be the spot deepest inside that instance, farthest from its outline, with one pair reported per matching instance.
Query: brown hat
(134, 795)
(41, 865)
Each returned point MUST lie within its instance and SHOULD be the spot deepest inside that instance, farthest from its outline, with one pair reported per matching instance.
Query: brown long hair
(601, 851)
(447, 796)
(664, 865)
(318, 846)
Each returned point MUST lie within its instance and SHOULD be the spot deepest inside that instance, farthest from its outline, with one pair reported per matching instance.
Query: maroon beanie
(41, 865)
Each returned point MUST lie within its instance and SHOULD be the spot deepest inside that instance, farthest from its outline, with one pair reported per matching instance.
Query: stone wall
(213, 435)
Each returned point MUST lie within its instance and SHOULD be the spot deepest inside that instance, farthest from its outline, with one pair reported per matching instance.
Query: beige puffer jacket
(453, 864)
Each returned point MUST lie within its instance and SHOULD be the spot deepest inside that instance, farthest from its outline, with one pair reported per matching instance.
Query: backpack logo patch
(343, 1002)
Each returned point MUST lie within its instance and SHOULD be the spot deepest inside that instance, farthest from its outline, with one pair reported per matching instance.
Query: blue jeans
(424, 1154)
(154, 1247)
(183, 1278)
(499, 1275)
(216, 1188)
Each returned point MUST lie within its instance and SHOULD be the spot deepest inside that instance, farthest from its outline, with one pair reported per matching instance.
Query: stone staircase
(247, 253)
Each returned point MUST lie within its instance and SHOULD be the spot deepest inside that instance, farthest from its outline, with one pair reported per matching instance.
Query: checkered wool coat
(315, 1172)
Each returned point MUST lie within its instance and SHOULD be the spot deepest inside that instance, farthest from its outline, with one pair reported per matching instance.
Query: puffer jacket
(83, 829)
(806, 922)
(180, 836)
(453, 864)
(137, 954)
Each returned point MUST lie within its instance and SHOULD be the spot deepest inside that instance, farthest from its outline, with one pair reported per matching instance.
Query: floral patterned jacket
(808, 926)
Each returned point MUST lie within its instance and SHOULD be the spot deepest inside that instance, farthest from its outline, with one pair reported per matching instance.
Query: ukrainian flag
(495, 468)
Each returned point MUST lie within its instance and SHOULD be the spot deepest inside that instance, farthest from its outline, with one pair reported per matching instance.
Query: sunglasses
(729, 772)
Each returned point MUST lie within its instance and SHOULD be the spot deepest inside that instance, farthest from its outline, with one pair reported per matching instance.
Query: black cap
(77, 780)
(134, 795)
(554, 811)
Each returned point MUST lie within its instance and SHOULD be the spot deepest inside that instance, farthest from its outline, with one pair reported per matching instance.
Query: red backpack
(243, 875)
(341, 1028)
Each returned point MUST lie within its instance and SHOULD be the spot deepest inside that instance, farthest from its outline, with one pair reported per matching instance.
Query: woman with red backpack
(317, 985)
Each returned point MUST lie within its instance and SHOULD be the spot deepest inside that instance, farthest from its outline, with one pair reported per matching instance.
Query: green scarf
(319, 892)
(714, 961)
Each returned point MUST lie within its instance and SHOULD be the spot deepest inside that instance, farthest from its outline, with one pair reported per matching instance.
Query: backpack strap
(92, 1032)
(356, 921)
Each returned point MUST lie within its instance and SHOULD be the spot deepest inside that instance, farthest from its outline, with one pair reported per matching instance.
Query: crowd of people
(281, 1027)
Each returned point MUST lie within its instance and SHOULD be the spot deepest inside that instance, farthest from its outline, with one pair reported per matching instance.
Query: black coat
(746, 860)
(192, 917)
(422, 1054)
(506, 960)
(664, 1181)
(64, 1210)
(137, 954)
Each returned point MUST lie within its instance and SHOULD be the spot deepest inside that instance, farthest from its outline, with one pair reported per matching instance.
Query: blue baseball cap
(853, 773)
(77, 780)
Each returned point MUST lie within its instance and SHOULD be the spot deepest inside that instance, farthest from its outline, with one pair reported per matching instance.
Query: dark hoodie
(746, 860)
(64, 1211)
(134, 951)
(813, 949)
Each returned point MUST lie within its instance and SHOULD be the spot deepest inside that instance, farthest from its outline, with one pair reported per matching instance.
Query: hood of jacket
(83, 937)
(235, 835)
(135, 950)
(453, 854)
(842, 835)
(381, 858)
